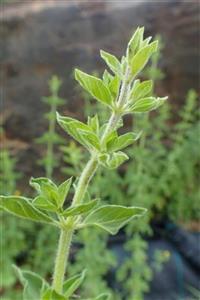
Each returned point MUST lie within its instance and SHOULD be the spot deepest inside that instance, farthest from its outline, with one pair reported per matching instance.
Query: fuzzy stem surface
(61, 258)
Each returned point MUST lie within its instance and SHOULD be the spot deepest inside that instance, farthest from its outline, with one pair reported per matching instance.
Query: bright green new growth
(123, 94)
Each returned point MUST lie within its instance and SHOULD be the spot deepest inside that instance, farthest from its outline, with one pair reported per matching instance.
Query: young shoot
(123, 94)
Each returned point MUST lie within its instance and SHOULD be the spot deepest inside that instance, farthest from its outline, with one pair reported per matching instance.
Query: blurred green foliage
(12, 231)
(51, 138)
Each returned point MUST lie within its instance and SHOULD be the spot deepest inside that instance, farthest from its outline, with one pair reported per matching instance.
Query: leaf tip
(31, 180)
(58, 116)
(102, 52)
(145, 210)
(76, 73)
(155, 45)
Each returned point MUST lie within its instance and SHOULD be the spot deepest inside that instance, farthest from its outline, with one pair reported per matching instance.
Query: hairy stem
(61, 258)
(114, 119)
(84, 180)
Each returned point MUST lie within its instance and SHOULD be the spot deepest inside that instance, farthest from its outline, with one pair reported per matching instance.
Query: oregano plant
(123, 93)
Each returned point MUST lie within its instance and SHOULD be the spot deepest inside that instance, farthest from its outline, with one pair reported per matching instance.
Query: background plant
(16, 232)
(183, 196)
(51, 138)
(9, 247)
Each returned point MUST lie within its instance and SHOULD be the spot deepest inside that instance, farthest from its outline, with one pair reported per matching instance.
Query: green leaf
(33, 284)
(48, 295)
(134, 43)
(51, 294)
(107, 78)
(93, 123)
(63, 191)
(147, 104)
(141, 90)
(90, 139)
(42, 203)
(145, 42)
(80, 209)
(22, 207)
(42, 184)
(114, 86)
(94, 86)
(50, 196)
(71, 284)
(56, 296)
(46, 188)
(142, 56)
(73, 127)
(123, 141)
(104, 296)
(112, 217)
(111, 137)
(103, 159)
(113, 160)
(111, 61)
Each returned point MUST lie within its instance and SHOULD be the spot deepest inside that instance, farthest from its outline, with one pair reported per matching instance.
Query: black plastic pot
(179, 273)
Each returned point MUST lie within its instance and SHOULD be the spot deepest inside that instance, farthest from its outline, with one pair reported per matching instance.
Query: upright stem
(84, 180)
(61, 258)
(114, 119)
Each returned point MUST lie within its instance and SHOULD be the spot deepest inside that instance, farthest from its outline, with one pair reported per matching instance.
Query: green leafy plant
(7, 172)
(117, 183)
(12, 242)
(123, 95)
(92, 243)
(73, 157)
(195, 293)
(183, 189)
(51, 138)
(51, 141)
(136, 274)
